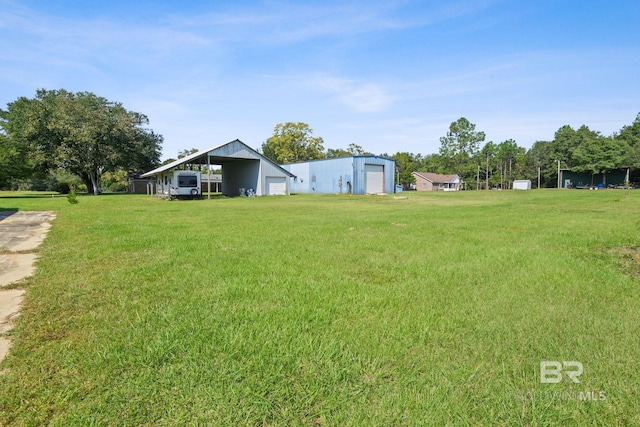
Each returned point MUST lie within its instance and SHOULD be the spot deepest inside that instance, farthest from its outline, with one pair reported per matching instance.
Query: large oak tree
(293, 142)
(82, 133)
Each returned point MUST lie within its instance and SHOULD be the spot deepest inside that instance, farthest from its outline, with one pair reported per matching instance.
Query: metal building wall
(321, 176)
(301, 183)
(269, 170)
(359, 162)
(325, 176)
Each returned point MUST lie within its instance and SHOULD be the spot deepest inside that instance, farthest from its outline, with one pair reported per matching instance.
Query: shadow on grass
(28, 194)
(51, 194)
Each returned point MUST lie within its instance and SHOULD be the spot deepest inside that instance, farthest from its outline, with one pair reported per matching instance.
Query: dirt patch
(630, 258)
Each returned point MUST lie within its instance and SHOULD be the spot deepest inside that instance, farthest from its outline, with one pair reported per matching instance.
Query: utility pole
(538, 177)
(510, 177)
(487, 175)
(559, 180)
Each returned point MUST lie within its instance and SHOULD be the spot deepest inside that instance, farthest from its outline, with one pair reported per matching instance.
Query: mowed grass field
(330, 310)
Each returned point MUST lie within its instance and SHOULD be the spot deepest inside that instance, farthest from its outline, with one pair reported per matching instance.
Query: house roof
(218, 153)
(437, 177)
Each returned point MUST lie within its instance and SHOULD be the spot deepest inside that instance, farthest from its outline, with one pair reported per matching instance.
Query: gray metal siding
(325, 176)
(301, 183)
(269, 170)
(359, 163)
(234, 149)
(328, 176)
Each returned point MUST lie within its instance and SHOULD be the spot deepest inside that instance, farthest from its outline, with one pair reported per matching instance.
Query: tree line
(463, 151)
(498, 164)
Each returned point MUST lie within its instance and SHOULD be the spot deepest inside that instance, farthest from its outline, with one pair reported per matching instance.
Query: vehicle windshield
(187, 181)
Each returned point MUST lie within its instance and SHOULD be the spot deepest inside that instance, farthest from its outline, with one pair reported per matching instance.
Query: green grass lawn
(330, 310)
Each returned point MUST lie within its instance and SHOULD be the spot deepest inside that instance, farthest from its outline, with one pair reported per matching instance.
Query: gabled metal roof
(201, 158)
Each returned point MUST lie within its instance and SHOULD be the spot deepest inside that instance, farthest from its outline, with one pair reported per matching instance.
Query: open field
(330, 310)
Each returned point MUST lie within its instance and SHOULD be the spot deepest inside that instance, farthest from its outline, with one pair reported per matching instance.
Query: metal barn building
(615, 178)
(243, 168)
(355, 174)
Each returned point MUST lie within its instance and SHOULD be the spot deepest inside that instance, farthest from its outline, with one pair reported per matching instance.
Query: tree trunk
(487, 176)
(86, 179)
(95, 181)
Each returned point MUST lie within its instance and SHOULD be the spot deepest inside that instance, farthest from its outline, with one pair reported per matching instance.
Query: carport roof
(201, 158)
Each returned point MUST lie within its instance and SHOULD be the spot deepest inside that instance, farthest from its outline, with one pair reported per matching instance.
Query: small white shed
(522, 184)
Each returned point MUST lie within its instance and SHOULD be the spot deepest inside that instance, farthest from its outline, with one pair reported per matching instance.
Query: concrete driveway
(21, 232)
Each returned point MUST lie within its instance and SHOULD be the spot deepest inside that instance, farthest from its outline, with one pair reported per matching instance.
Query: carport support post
(208, 177)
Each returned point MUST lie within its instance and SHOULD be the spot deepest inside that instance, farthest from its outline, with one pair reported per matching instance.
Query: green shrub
(71, 197)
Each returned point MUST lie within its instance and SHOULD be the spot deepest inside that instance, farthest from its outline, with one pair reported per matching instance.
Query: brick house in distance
(427, 181)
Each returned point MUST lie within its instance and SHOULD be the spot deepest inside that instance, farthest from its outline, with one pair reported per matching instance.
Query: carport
(243, 168)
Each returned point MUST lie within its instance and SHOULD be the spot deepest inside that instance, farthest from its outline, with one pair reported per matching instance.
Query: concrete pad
(14, 267)
(24, 230)
(21, 232)
(10, 301)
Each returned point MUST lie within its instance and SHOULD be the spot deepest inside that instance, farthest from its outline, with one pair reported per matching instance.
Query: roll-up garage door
(276, 186)
(374, 179)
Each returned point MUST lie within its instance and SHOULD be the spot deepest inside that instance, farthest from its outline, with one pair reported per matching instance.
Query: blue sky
(390, 75)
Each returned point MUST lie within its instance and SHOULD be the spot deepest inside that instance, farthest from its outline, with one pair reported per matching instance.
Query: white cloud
(286, 22)
(368, 98)
(30, 35)
(358, 96)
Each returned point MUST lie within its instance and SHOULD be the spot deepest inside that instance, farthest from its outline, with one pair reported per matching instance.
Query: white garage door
(276, 186)
(373, 179)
